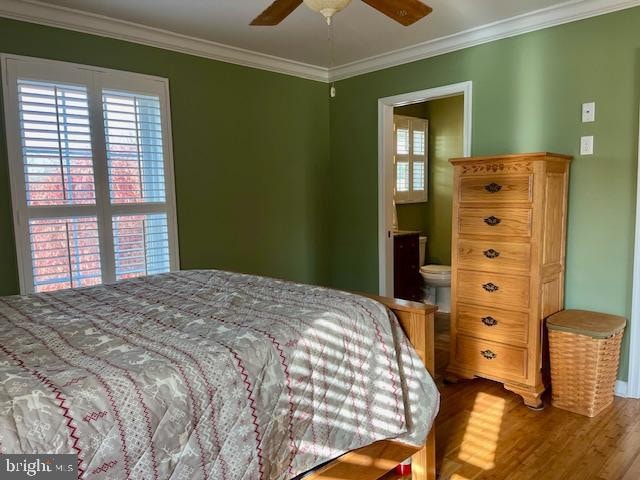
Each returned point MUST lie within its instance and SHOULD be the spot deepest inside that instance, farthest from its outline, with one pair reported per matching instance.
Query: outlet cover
(586, 145)
(588, 112)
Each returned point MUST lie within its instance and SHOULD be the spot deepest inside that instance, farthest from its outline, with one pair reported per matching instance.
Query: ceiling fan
(405, 12)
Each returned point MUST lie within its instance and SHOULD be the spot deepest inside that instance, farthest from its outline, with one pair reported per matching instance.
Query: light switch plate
(586, 145)
(588, 112)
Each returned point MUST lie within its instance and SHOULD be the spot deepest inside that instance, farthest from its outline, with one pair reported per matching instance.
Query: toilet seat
(436, 270)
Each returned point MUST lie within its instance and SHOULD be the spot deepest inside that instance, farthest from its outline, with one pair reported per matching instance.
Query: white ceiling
(360, 31)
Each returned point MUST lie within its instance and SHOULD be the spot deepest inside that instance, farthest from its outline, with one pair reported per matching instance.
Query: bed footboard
(374, 461)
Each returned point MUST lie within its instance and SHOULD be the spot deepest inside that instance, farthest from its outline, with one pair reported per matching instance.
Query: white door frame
(385, 170)
(632, 387)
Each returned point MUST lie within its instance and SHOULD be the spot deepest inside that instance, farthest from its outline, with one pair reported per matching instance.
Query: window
(410, 159)
(91, 173)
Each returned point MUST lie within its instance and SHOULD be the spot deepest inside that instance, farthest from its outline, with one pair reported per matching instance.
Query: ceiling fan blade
(276, 12)
(405, 12)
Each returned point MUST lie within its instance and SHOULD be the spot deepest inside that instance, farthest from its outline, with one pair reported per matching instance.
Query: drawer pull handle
(491, 253)
(490, 287)
(489, 321)
(492, 221)
(493, 187)
(488, 354)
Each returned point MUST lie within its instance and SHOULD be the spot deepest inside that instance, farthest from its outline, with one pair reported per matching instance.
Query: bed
(219, 375)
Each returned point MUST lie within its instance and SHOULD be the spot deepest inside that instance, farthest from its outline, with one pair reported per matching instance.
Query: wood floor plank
(624, 455)
(485, 432)
(633, 473)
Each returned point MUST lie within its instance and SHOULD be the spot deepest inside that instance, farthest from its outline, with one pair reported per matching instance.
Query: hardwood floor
(485, 432)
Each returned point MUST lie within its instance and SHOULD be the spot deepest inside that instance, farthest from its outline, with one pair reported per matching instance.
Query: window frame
(96, 79)
(411, 195)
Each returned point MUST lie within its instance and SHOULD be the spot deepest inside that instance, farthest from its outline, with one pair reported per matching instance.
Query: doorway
(386, 168)
(631, 388)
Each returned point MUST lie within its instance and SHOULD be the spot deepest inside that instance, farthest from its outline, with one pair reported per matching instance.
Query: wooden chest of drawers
(508, 255)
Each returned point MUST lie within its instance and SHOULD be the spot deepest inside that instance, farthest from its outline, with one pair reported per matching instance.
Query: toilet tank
(423, 248)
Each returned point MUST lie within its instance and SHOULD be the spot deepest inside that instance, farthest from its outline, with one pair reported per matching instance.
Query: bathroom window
(410, 159)
(91, 173)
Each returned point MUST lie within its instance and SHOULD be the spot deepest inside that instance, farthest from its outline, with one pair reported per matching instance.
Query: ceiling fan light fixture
(328, 8)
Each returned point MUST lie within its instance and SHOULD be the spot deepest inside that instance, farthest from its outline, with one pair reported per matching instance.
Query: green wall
(250, 150)
(446, 127)
(527, 93)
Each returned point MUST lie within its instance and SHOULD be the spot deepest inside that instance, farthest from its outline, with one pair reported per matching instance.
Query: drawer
(491, 358)
(493, 289)
(492, 323)
(498, 221)
(492, 256)
(496, 189)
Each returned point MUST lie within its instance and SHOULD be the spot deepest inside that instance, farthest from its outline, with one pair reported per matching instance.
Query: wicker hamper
(585, 352)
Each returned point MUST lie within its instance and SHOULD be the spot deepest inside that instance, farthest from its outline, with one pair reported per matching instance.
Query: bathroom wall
(413, 216)
(419, 110)
(446, 128)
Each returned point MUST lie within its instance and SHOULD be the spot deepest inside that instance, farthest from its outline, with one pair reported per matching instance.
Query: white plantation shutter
(91, 174)
(402, 138)
(65, 253)
(133, 130)
(141, 245)
(402, 177)
(401, 158)
(418, 176)
(410, 159)
(56, 143)
(418, 138)
(419, 159)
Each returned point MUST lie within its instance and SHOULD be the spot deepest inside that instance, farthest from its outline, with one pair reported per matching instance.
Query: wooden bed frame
(376, 460)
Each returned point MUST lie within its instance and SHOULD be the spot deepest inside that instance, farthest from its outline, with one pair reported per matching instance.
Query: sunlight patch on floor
(457, 476)
(482, 432)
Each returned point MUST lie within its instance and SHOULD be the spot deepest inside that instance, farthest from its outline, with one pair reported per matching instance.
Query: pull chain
(330, 40)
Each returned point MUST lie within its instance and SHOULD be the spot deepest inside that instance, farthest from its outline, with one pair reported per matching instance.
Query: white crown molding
(69, 19)
(570, 11)
(55, 16)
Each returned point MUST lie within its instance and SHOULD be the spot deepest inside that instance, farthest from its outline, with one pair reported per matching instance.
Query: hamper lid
(583, 322)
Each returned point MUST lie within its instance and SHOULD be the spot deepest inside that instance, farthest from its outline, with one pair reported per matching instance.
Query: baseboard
(621, 389)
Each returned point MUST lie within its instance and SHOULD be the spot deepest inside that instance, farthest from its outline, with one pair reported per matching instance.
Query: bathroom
(427, 213)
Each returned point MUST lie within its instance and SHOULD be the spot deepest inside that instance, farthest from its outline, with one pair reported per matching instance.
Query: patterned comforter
(205, 374)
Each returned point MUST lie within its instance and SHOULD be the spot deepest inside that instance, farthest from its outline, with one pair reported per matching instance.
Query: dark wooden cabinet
(407, 282)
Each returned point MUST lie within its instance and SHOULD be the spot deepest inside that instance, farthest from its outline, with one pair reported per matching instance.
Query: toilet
(437, 281)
